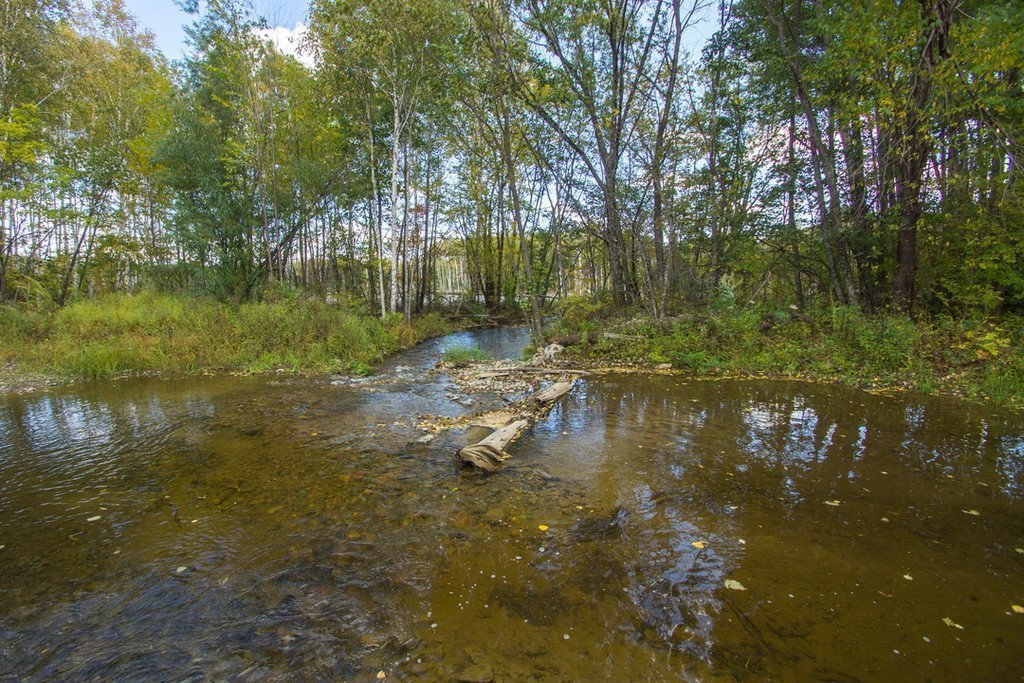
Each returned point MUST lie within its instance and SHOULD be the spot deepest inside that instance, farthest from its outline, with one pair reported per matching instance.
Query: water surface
(262, 528)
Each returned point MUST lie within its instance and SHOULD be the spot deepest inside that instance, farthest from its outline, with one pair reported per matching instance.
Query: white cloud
(289, 41)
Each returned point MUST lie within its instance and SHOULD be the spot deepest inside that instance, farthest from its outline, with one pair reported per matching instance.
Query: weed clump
(120, 334)
(462, 356)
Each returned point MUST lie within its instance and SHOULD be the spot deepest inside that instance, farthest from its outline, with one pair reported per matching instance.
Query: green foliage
(977, 358)
(461, 356)
(133, 333)
(699, 362)
(583, 312)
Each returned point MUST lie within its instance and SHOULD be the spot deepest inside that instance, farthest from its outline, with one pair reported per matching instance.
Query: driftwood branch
(527, 371)
(489, 453)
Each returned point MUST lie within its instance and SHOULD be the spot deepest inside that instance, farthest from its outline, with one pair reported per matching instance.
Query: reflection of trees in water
(331, 550)
(719, 455)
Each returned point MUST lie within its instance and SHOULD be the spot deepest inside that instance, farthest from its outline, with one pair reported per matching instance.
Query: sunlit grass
(461, 356)
(156, 332)
(979, 358)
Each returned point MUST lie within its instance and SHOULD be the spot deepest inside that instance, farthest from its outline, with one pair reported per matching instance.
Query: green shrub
(18, 326)
(980, 358)
(461, 356)
(582, 312)
(698, 361)
(151, 331)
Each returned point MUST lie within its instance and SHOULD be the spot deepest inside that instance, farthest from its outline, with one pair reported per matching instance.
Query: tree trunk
(396, 132)
(913, 148)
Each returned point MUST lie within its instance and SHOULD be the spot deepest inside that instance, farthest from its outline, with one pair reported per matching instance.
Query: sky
(286, 19)
(166, 21)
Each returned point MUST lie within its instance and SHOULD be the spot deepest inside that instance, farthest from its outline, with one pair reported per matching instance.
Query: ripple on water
(313, 540)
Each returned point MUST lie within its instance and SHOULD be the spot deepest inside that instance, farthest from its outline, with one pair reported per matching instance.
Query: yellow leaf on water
(971, 512)
(543, 527)
(833, 503)
(93, 518)
(949, 622)
(1018, 609)
(908, 577)
(699, 545)
(734, 585)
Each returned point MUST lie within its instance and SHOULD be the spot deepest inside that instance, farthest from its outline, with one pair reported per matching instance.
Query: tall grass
(462, 356)
(976, 358)
(158, 332)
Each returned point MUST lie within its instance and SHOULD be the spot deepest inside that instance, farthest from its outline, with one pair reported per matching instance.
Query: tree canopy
(662, 153)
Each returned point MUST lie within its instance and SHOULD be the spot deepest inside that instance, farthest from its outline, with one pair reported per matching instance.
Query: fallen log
(527, 371)
(489, 453)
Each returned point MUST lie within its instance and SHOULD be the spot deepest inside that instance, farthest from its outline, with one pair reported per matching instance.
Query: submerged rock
(601, 527)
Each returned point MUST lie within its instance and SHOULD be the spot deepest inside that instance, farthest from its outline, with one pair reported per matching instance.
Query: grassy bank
(161, 333)
(971, 358)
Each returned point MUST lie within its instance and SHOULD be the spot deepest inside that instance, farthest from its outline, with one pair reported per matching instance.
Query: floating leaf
(1016, 608)
(93, 518)
(734, 585)
(700, 545)
(949, 622)
(542, 527)
(381, 675)
(971, 512)
(180, 570)
(833, 503)
(908, 577)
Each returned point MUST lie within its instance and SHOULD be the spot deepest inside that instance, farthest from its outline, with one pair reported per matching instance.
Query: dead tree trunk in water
(489, 453)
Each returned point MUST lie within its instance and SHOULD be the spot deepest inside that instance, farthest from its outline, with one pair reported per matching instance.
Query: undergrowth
(157, 332)
(981, 358)
(461, 356)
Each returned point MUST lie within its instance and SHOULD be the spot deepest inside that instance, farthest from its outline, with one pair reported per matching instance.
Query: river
(652, 527)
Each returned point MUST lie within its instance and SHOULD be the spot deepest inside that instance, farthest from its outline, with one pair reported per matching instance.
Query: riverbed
(652, 527)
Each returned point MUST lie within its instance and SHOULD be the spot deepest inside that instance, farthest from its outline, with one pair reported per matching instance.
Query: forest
(512, 340)
(809, 169)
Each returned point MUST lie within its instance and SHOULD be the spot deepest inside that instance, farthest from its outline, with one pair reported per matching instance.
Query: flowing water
(260, 528)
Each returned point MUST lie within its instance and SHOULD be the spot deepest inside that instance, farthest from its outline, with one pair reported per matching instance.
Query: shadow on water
(253, 528)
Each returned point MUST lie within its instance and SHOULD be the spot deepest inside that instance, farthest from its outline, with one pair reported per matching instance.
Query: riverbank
(156, 333)
(975, 359)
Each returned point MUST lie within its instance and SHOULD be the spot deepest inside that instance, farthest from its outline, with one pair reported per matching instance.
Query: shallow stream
(257, 528)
